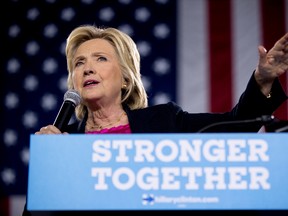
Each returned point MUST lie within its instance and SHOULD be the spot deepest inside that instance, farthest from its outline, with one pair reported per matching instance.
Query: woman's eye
(78, 63)
(101, 58)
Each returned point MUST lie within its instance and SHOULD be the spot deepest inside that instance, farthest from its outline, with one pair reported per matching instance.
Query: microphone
(263, 119)
(71, 100)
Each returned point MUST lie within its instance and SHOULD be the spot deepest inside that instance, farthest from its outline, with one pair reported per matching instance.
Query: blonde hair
(134, 95)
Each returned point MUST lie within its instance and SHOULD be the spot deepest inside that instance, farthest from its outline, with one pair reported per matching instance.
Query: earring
(124, 86)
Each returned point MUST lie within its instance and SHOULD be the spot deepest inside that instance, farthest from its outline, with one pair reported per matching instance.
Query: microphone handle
(66, 111)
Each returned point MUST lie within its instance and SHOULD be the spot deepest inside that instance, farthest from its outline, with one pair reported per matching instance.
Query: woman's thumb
(262, 53)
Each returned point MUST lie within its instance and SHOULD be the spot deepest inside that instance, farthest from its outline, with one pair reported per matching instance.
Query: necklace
(100, 127)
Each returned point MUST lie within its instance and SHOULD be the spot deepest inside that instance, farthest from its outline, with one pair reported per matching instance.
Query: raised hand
(272, 64)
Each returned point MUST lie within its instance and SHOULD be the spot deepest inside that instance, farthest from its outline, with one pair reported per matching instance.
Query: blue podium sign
(223, 171)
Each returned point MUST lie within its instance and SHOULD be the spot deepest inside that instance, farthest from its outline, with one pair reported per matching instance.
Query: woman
(104, 67)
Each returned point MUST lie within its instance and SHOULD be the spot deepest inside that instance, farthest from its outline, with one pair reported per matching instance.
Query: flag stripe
(17, 203)
(4, 206)
(273, 24)
(220, 55)
(192, 86)
(286, 17)
(246, 38)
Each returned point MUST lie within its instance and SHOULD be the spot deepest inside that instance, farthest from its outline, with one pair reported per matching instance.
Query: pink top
(121, 129)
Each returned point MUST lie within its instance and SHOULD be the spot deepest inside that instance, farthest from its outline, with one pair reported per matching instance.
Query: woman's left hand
(272, 64)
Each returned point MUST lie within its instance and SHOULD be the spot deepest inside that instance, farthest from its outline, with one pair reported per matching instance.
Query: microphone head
(73, 96)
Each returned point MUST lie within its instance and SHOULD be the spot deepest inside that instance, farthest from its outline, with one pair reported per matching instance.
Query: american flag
(199, 53)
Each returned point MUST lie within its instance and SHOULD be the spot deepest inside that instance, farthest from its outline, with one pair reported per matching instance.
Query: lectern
(153, 173)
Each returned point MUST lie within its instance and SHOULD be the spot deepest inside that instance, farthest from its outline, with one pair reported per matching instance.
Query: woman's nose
(88, 71)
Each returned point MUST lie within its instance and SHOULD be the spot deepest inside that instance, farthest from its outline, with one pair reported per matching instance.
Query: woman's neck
(100, 119)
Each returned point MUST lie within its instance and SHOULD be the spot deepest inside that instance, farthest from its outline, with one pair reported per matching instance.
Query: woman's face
(97, 75)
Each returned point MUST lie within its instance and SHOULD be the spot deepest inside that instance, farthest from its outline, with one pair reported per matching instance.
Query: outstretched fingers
(282, 44)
